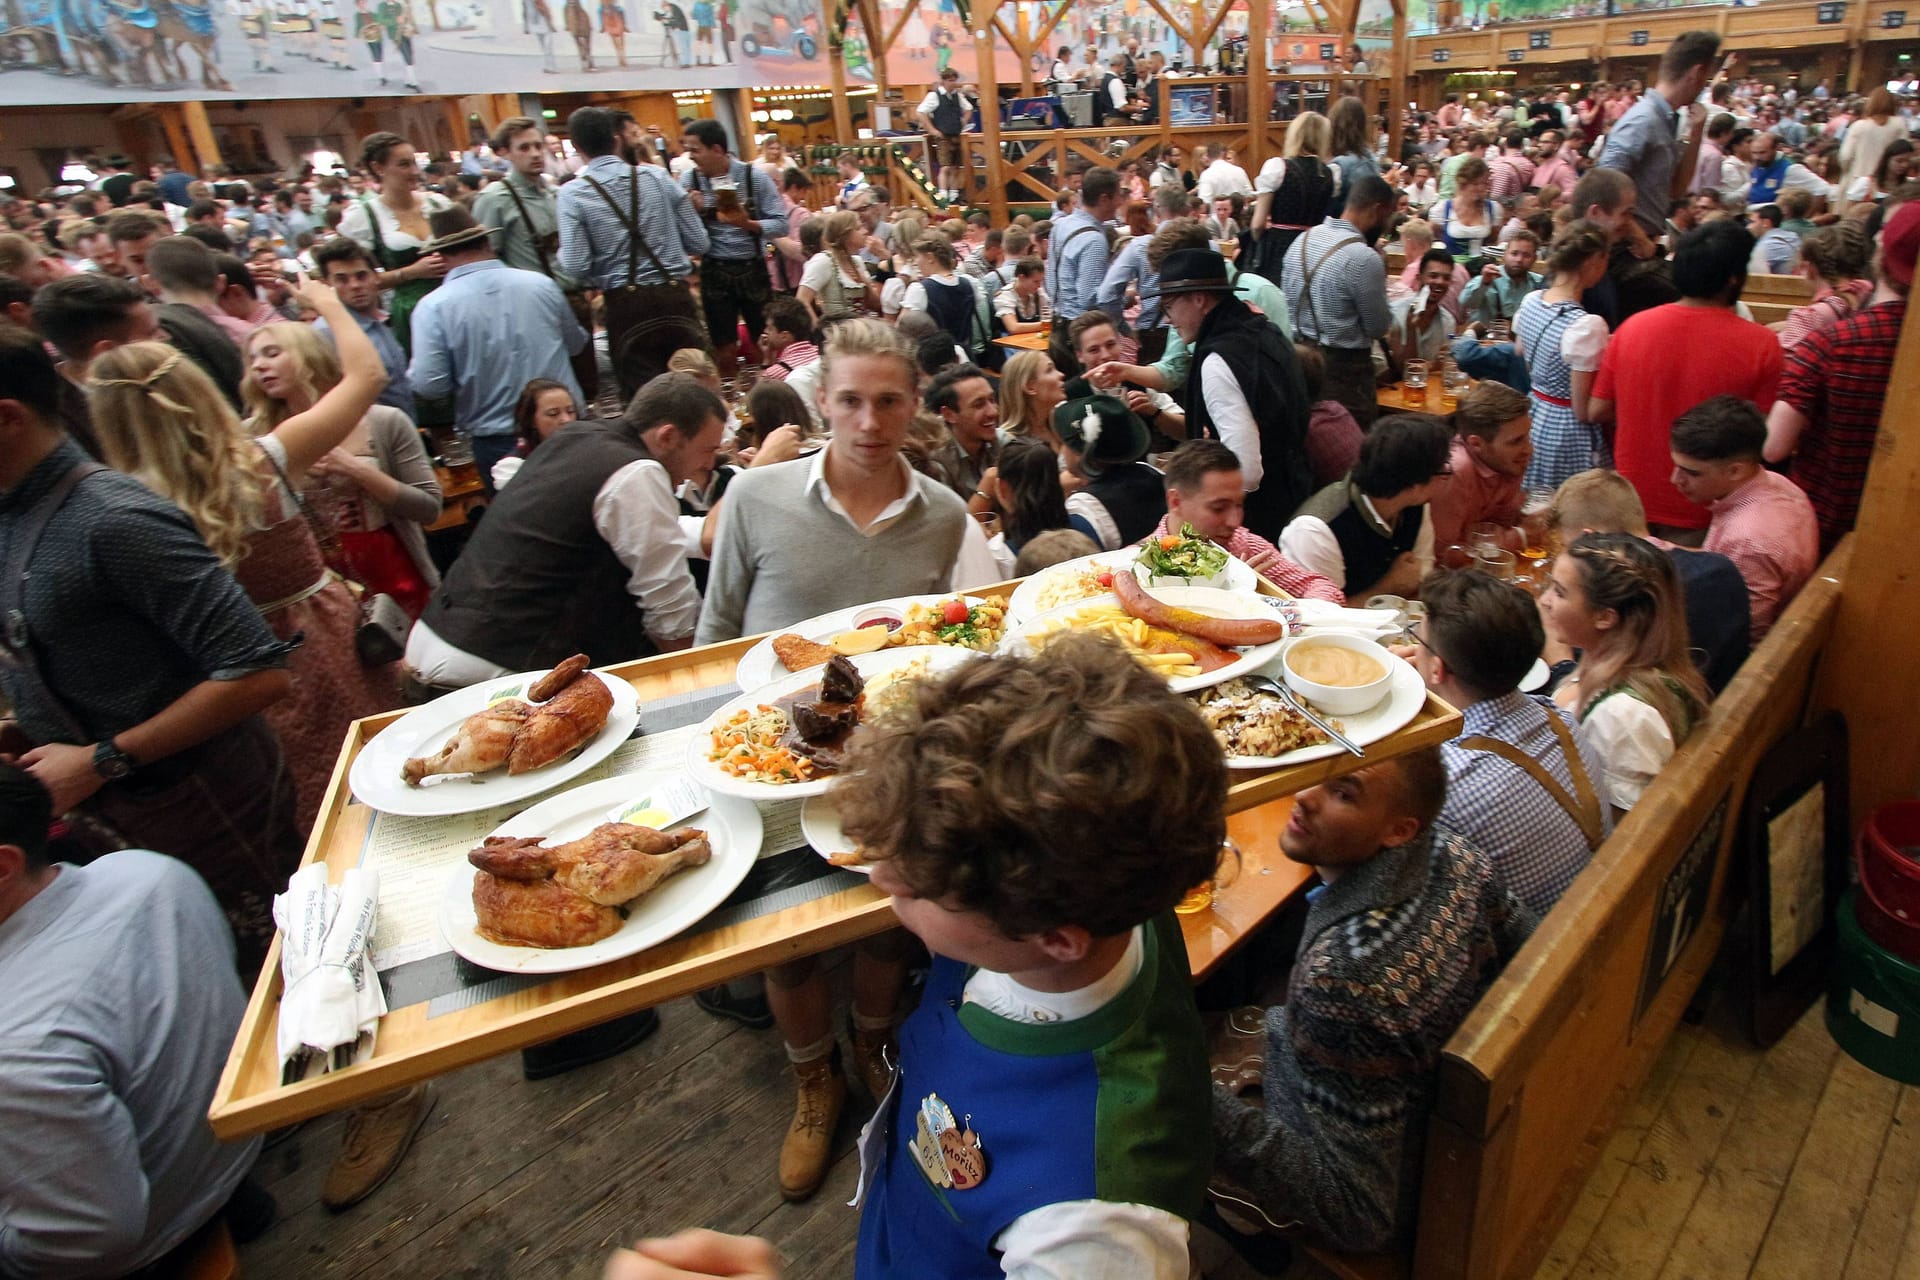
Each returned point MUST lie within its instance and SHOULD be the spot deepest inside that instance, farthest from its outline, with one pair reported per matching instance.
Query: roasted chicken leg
(538, 913)
(484, 742)
(571, 706)
(614, 863)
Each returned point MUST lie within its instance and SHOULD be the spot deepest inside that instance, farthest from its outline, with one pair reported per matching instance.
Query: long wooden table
(1035, 341)
(412, 1046)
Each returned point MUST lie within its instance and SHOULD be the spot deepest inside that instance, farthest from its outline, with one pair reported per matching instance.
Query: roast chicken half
(527, 894)
(569, 706)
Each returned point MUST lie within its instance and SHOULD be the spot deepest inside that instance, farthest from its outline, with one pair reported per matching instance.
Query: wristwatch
(111, 763)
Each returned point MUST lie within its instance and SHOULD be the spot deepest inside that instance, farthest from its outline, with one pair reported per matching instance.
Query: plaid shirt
(1536, 846)
(1767, 528)
(1838, 378)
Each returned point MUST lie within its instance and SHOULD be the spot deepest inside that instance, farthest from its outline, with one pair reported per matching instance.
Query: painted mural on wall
(63, 51)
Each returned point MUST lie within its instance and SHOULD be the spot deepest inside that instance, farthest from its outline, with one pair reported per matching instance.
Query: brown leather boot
(820, 1094)
(874, 1053)
(377, 1138)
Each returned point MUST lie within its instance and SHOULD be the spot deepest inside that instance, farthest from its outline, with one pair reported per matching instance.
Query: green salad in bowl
(1186, 559)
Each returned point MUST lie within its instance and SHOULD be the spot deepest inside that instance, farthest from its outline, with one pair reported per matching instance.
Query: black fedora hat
(1192, 271)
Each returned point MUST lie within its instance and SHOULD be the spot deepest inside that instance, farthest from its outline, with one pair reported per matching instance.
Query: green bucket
(1873, 1002)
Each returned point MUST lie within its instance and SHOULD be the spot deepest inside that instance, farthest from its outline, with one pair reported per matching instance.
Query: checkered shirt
(1536, 846)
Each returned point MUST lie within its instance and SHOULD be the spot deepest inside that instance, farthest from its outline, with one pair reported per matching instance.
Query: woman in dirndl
(162, 421)
(1562, 345)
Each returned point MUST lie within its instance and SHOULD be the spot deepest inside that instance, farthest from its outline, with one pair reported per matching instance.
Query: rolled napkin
(302, 913)
(333, 1001)
(343, 979)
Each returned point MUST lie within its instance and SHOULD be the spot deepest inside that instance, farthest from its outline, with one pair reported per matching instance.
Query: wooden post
(837, 80)
(987, 81)
(176, 131)
(1259, 82)
(456, 123)
(205, 149)
(1862, 672)
(1399, 77)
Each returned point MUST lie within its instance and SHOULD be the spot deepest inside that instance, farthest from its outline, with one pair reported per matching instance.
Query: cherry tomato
(1106, 579)
(954, 612)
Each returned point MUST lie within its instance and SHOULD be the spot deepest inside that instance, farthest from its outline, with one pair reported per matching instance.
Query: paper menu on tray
(414, 856)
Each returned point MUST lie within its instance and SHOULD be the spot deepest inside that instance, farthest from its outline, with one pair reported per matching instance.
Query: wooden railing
(1533, 1082)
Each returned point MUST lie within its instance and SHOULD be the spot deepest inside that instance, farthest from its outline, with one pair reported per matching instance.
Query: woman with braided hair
(1616, 600)
(163, 422)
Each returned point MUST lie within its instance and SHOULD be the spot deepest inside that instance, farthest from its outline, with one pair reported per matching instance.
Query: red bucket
(1889, 858)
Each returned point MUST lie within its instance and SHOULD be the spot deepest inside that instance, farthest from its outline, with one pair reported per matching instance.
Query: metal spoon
(1267, 684)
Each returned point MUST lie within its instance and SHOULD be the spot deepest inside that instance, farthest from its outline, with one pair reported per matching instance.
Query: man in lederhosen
(743, 210)
(628, 231)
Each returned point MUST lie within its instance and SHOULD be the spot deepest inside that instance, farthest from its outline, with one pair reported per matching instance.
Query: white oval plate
(680, 902)
(1537, 676)
(714, 778)
(1213, 600)
(820, 824)
(375, 776)
(1405, 696)
(1022, 605)
(759, 666)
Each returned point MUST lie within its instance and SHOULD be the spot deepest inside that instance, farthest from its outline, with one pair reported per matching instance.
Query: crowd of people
(707, 404)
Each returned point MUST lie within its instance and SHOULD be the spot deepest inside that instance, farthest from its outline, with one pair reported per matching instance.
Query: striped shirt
(594, 244)
(1074, 271)
(791, 358)
(1838, 379)
(1348, 309)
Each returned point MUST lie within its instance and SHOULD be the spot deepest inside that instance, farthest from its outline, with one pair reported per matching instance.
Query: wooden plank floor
(1784, 1165)
(1731, 1162)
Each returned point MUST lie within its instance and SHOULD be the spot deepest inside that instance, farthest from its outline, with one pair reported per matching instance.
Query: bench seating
(1533, 1082)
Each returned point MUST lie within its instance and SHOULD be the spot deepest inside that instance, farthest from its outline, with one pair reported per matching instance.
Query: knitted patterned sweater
(1394, 956)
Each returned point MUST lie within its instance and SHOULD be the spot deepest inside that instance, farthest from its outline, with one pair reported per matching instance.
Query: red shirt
(1659, 365)
(1838, 378)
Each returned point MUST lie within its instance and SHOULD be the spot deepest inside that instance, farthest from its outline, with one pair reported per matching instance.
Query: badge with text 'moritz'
(948, 1153)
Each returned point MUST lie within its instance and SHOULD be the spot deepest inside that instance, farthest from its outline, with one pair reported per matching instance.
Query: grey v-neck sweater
(780, 555)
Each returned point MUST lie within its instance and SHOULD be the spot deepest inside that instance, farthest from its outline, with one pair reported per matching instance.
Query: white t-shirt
(1222, 179)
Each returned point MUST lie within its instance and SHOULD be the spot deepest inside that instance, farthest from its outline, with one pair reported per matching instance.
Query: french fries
(1136, 635)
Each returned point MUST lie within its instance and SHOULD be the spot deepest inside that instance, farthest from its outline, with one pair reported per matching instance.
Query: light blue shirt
(1130, 267)
(399, 390)
(595, 248)
(1074, 271)
(484, 334)
(1645, 145)
(758, 196)
(121, 1004)
(1500, 300)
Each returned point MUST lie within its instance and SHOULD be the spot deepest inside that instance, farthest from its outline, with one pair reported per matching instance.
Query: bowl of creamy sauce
(1341, 675)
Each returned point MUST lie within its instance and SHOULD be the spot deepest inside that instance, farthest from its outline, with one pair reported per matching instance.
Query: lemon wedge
(859, 640)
